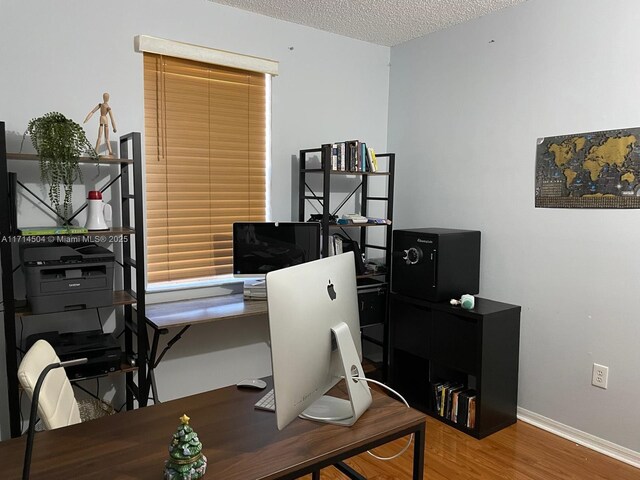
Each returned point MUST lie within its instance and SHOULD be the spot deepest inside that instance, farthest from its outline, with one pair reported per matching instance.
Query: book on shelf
(379, 221)
(439, 389)
(352, 218)
(372, 158)
(367, 157)
(334, 156)
(350, 156)
(71, 230)
(471, 419)
(467, 408)
(433, 397)
(335, 245)
(445, 402)
(441, 400)
(454, 406)
(453, 401)
(449, 400)
(463, 405)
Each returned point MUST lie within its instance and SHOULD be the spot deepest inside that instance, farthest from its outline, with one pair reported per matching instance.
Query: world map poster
(589, 170)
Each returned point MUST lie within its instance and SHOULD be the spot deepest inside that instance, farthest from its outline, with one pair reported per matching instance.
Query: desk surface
(202, 310)
(239, 442)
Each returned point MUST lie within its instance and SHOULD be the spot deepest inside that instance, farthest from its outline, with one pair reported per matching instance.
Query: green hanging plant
(59, 142)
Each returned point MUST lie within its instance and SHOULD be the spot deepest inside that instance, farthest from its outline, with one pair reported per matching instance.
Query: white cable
(403, 401)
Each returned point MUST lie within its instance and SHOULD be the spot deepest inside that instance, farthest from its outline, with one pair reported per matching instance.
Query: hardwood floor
(519, 452)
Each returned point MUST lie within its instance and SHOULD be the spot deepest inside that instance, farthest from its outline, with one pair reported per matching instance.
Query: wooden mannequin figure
(103, 129)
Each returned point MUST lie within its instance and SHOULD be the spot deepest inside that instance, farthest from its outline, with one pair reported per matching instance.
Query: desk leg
(154, 358)
(154, 388)
(315, 475)
(348, 471)
(153, 364)
(418, 452)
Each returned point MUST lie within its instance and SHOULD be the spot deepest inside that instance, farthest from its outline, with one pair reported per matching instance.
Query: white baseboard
(605, 447)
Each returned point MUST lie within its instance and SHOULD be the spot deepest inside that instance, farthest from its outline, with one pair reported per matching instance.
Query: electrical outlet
(600, 376)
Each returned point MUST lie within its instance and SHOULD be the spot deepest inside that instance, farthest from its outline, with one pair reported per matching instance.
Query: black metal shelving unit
(376, 284)
(135, 333)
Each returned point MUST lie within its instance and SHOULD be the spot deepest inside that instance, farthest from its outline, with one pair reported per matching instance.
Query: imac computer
(261, 247)
(315, 341)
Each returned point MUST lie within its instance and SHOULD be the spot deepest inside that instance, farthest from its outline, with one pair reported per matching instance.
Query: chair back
(57, 404)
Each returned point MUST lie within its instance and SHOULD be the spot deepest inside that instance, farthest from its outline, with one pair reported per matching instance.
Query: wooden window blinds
(205, 146)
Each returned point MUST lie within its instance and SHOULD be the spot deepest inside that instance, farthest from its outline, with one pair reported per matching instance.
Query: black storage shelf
(357, 225)
(120, 297)
(103, 160)
(336, 172)
(135, 334)
(437, 342)
(92, 234)
(372, 310)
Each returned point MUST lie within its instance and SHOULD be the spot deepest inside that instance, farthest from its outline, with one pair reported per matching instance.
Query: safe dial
(412, 255)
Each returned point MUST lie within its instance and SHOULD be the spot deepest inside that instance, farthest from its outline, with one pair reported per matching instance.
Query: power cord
(367, 380)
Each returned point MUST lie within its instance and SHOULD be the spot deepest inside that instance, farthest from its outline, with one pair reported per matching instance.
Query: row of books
(455, 402)
(352, 156)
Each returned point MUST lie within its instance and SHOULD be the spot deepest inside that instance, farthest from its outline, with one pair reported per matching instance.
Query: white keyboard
(268, 402)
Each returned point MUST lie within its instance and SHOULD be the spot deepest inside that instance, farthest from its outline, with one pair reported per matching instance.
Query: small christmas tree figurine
(186, 461)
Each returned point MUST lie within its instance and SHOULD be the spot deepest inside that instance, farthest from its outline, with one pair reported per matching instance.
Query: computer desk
(240, 443)
(182, 314)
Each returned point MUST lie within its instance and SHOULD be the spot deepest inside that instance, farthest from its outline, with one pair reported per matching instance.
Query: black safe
(435, 263)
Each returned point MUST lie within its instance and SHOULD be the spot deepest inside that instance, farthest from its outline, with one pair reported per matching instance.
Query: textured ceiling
(384, 22)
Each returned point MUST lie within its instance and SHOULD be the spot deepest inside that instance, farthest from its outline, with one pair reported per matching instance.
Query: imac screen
(261, 247)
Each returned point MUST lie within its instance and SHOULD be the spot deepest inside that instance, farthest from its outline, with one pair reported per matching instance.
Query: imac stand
(339, 411)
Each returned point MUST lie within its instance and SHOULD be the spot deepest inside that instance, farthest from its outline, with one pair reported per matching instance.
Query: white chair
(57, 405)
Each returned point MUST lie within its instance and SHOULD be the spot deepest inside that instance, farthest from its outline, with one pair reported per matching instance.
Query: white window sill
(200, 288)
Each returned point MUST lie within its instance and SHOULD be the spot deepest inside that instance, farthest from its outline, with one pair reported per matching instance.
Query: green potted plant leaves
(59, 142)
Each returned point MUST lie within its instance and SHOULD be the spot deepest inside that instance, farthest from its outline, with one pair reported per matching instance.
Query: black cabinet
(438, 349)
(328, 193)
(128, 175)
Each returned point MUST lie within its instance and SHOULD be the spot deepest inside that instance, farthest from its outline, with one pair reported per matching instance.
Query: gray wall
(62, 55)
(466, 107)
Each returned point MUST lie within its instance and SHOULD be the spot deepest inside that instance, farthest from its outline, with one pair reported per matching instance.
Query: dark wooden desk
(184, 313)
(239, 442)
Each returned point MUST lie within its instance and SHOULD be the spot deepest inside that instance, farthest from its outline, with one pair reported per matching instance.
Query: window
(206, 145)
